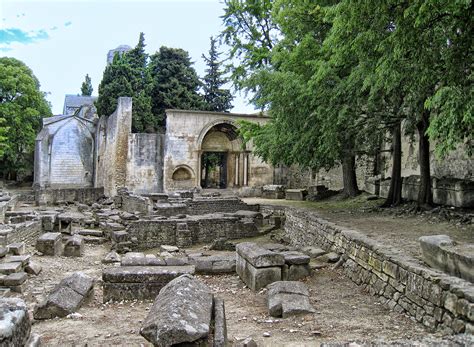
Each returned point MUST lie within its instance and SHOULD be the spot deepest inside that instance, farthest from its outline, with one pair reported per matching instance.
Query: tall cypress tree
(128, 76)
(216, 98)
(175, 82)
(86, 88)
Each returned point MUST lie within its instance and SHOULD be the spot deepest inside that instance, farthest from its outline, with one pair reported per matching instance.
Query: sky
(62, 41)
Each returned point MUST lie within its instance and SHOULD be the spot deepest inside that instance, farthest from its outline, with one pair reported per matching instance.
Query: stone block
(49, 244)
(33, 269)
(17, 248)
(296, 272)
(181, 314)
(220, 326)
(296, 194)
(256, 278)
(14, 321)
(259, 257)
(139, 282)
(73, 246)
(442, 253)
(15, 279)
(295, 258)
(142, 261)
(119, 236)
(288, 298)
(67, 297)
(23, 259)
(8, 268)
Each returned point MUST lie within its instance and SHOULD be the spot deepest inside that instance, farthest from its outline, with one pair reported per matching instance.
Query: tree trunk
(394, 197)
(349, 174)
(425, 198)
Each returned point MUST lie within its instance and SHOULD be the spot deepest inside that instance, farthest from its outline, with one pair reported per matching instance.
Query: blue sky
(62, 41)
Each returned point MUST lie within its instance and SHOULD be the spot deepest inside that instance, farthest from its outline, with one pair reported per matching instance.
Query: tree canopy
(175, 83)
(215, 97)
(339, 74)
(86, 88)
(22, 105)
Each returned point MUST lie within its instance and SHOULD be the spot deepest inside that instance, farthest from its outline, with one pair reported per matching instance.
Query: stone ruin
(130, 225)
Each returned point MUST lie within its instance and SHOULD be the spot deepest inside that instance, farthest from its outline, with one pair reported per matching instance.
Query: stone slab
(8, 268)
(49, 244)
(181, 313)
(258, 256)
(14, 322)
(256, 278)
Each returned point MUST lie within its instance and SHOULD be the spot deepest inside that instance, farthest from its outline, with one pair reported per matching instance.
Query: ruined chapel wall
(115, 158)
(182, 142)
(144, 167)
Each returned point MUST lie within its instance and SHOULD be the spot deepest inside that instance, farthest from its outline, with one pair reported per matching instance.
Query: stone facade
(189, 134)
(84, 151)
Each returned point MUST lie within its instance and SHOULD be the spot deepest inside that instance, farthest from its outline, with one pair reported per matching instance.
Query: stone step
(91, 232)
(94, 240)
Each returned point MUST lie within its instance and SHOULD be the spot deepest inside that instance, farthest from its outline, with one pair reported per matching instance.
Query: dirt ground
(344, 312)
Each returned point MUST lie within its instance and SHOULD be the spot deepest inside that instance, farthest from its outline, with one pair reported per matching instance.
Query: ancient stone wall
(68, 195)
(64, 152)
(199, 206)
(439, 301)
(115, 156)
(145, 153)
(185, 133)
(148, 234)
(27, 232)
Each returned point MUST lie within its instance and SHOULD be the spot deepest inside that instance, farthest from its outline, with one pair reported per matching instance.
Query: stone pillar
(236, 179)
(246, 163)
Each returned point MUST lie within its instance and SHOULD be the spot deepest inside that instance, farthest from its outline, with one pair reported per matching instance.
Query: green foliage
(174, 83)
(86, 88)
(340, 73)
(216, 98)
(128, 75)
(22, 105)
(251, 33)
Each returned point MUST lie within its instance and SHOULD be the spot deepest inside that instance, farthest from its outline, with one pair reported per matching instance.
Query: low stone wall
(55, 196)
(439, 301)
(199, 206)
(146, 234)
(26, 232)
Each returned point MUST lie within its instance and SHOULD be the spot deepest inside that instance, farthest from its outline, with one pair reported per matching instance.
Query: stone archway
(221, 156)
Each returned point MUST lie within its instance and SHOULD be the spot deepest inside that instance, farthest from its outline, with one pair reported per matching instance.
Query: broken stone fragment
(15, 325)
(67, 297)
(181, 313)
(313, 252)
(111, 257)
(33, 269)
(73, 246)
(288, 298)
(17, 248)
(170, 249)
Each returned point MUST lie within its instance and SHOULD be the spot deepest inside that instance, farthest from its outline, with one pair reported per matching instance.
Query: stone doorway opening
(214, 170)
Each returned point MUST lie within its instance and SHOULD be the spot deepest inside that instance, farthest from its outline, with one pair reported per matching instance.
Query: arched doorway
(220, 156)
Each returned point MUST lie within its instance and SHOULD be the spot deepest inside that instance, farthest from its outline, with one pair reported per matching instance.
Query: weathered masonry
(198, 150)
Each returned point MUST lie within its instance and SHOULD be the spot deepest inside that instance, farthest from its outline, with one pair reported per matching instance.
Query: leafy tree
(128, 76)
(22, 105)
(251, 33)
(174, 82)
(216, 98)
(86, 88)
